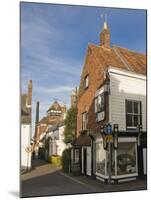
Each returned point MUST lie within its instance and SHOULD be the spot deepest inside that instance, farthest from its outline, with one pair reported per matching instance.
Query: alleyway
(45, 179)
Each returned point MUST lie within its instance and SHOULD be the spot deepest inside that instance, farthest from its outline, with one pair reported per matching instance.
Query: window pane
(86, 81)
(100, 158)
(129, 120)
(100, 103)
(76, 155)
(128, 107)
(136, 104)
(136, 121)
(126, 158)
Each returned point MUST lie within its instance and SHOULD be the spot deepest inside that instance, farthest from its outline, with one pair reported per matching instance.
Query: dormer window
(86, 82)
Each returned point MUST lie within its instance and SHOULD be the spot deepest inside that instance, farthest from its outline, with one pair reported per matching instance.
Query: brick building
(112, 90)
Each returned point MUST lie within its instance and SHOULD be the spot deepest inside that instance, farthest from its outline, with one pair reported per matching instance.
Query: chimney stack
(105, 36)
(29, 97)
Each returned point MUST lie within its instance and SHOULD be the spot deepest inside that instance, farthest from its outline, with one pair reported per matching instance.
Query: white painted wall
(125, 85)
(25, 142)
(89, 161)
(82, 158)
(58, 143)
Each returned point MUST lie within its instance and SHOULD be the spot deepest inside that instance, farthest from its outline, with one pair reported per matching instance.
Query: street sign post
(109, 137)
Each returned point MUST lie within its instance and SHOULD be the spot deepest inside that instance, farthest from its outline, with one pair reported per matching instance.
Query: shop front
(121, 165)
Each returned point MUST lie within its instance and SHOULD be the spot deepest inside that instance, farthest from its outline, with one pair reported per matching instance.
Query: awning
(83, 140)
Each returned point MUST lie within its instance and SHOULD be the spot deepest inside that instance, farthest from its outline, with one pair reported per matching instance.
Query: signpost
(109, 137)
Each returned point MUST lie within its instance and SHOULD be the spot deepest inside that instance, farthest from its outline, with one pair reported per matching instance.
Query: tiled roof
(55, 106)
(121, 58)
(83, 139)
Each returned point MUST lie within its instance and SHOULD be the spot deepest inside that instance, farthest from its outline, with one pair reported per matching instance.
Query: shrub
(65, 160)
(56, 160)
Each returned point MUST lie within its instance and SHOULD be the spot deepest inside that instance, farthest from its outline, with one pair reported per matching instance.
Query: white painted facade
(25, 146)
(125, 86)
(56, 143)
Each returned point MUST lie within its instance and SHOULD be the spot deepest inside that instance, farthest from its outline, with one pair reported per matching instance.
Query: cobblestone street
(46, 179)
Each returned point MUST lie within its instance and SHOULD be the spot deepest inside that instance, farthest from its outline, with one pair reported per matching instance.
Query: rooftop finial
(105, 21)
(104, 17)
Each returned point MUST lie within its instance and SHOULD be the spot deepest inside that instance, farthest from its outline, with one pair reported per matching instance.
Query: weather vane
(104, 15)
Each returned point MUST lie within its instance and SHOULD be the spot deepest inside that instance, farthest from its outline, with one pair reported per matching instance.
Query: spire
(105, 34)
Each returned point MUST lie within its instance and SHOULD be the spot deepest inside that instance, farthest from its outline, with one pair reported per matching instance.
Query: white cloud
(58, 89)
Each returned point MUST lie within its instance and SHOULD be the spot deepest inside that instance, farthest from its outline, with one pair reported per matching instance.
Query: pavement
(46, 179)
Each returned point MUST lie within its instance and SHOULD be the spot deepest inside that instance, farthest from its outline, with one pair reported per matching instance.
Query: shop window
(86, 82)
(133, 114)
(100, 158)
(99, 107)
(126, 158)
(84, 120)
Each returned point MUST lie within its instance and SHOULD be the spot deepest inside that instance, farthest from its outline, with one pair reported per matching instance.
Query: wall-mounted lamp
(102, 131)
(115, 135)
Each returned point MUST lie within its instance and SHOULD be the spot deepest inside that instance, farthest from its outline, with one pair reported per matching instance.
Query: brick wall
(95, 70)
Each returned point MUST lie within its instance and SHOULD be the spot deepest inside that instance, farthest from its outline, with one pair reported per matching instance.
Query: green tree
(70, 125)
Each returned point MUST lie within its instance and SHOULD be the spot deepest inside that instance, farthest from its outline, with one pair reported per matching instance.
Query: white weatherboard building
(127, 108)
(56, 143)
(26, 110)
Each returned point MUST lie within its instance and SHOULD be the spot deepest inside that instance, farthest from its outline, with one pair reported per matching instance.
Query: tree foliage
(65, 160)
(70, 125)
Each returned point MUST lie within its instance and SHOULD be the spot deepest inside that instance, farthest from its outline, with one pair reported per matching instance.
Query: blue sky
(54, 40)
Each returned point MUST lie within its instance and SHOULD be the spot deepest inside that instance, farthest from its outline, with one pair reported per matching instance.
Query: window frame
(133, 113)
(86, 81)
(76, 155)
(84, 127)
(102, 107)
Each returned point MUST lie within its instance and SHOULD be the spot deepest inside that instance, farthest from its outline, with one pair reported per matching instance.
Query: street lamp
(140, 131)
(115, 135)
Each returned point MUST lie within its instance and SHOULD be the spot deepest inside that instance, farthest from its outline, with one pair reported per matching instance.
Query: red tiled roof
(121, 58)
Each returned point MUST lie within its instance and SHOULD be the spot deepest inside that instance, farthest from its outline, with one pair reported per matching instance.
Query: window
(99, 107)
(99, 103)
(86, 82)
(76, 156)
(126, 158)
(100, 158)
(133, 113)
(84, 120)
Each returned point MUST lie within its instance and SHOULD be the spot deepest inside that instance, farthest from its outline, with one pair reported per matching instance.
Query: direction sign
(108, 129)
